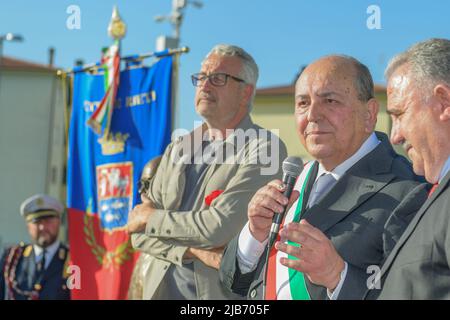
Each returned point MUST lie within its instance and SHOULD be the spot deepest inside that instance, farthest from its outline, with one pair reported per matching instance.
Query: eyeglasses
(216, 79)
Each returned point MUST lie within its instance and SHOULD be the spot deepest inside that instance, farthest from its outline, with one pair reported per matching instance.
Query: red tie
(432, 189)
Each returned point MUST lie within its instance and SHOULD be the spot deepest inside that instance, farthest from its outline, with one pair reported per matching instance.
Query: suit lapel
(412, 226)
(361, 182)
(172, 199)
(228, 148)
(183, 154)
(402, 216)
(211, 169)
(30, 266)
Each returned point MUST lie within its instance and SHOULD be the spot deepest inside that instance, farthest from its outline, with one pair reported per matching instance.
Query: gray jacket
(170, 232)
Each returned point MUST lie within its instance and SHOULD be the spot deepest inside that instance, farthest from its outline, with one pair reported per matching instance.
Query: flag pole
(157, 54)
(175, 18)
(175, 108)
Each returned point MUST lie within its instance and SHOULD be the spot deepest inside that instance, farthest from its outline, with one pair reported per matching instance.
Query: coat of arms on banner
(114, 192)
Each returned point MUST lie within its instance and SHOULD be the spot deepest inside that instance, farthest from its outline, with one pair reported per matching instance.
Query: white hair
(429, 62)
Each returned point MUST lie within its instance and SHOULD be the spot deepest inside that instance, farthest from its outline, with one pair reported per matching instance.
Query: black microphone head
(292, 166)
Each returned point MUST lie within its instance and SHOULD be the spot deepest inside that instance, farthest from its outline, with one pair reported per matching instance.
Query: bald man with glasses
(197, 200)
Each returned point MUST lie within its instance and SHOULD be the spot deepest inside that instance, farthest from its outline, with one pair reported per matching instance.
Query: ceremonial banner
(103, 171)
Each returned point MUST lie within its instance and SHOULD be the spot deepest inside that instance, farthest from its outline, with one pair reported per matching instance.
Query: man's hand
(318, 259)
(210, 257)
(144, 198)
(137, 218)
(262, 207)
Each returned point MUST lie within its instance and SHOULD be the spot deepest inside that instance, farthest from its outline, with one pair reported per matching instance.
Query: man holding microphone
(336, 226)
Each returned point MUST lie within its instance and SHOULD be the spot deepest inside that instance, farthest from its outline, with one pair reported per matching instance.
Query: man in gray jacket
(199, 195)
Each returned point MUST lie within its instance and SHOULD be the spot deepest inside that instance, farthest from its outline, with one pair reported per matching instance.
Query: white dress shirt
(49, 252)
(445, 169)
(250, 250)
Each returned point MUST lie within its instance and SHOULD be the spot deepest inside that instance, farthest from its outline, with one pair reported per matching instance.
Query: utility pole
(175, 18)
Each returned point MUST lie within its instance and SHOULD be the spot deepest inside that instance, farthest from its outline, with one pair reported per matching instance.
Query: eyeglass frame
(195, 78)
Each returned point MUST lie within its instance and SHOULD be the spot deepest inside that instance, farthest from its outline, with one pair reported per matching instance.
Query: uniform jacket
(18, 277)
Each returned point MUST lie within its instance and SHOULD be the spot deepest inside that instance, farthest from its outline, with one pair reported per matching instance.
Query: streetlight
(176, 16)
(13, 37)
(8, 37)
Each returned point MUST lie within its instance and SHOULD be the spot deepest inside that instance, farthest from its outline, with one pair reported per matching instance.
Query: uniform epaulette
(14, 248)
(27, 251)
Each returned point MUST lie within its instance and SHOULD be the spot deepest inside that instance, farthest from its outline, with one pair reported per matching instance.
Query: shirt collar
(193, 143)
(245, 124)
(445, 170)
(51, 250)
(368, 145)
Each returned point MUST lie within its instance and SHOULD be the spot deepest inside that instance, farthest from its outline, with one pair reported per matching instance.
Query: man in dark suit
(37, 271)
(419, 103)
(346, 197)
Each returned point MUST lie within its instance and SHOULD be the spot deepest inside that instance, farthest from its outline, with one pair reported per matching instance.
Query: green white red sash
(100, 121)
(284, 283)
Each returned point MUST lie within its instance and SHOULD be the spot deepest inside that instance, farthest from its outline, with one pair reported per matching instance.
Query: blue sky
(282, 35)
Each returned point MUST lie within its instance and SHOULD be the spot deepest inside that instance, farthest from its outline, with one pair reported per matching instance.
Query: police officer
(37, 271)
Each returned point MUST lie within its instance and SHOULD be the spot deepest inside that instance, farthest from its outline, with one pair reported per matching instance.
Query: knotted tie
(40, 267)
(323, 184)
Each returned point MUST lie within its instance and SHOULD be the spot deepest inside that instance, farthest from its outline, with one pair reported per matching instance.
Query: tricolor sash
(285, 283)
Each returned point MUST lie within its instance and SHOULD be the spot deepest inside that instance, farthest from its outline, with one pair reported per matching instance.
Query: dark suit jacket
(419, 265)
(52, 283)
(353, 215)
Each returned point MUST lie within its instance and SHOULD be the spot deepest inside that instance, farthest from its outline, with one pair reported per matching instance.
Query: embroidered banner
(103, 172)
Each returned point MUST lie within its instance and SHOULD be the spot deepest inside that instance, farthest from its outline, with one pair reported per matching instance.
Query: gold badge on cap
(40, 201)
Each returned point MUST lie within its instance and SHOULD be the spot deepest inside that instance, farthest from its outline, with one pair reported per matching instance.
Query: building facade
(32, 134)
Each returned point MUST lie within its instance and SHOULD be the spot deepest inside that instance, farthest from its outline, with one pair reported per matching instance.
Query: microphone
(292, 167)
